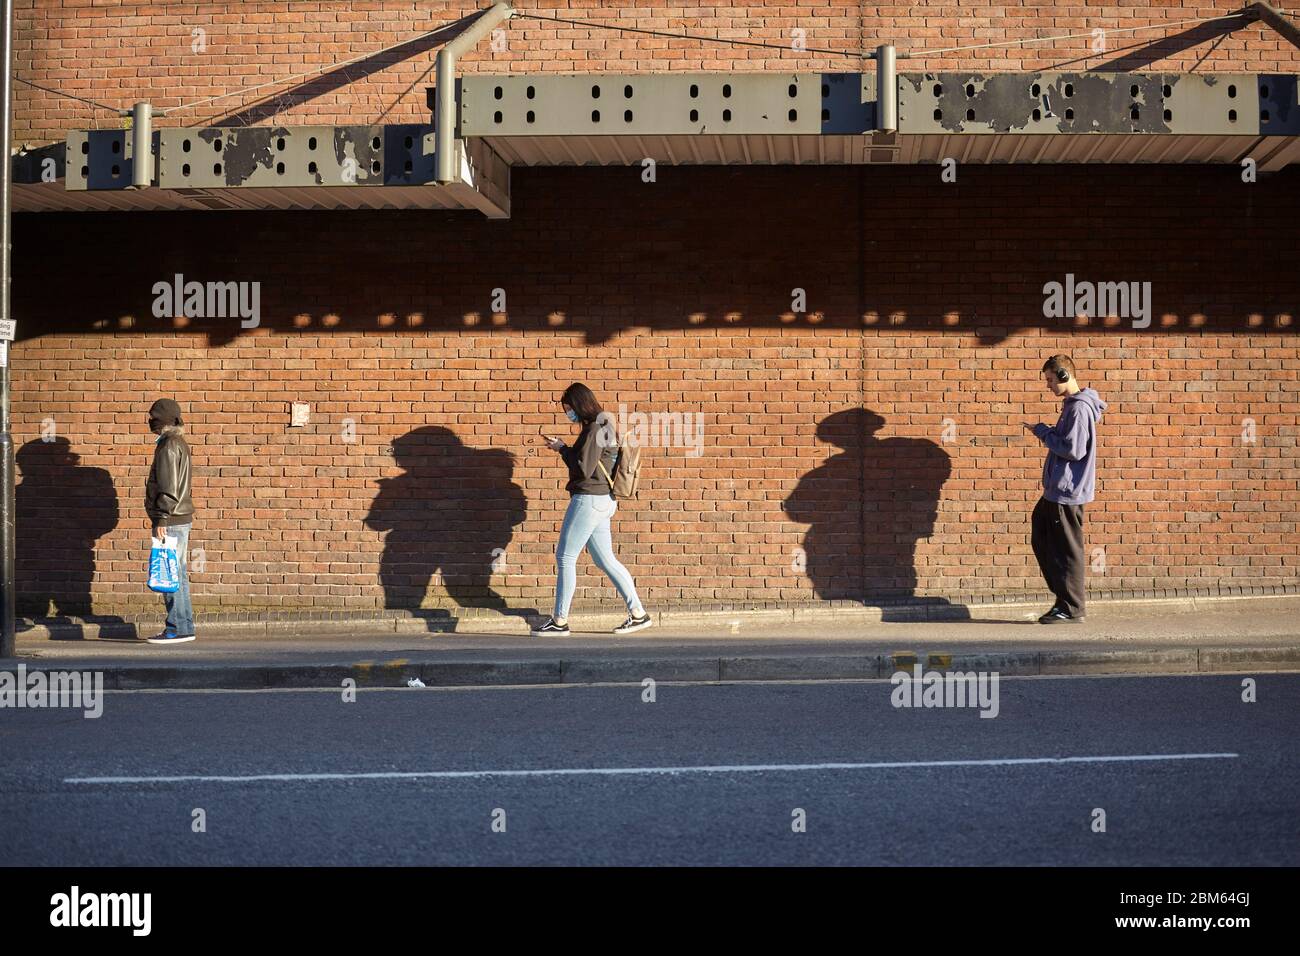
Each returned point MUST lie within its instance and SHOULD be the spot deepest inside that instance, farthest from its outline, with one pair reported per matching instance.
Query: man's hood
(1090, 397)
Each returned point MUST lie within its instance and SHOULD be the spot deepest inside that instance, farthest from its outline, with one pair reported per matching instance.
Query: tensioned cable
(250, 89)
(870, 54)
(71, 96)
(733, 41)
(691, 36)
(314, 70)
(1068, 36)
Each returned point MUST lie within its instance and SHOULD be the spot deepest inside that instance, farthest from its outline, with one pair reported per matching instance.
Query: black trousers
(1058, 545)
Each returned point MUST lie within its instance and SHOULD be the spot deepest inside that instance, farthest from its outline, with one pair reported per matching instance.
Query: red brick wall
(675, 296)
(118, 52)
(924, 301)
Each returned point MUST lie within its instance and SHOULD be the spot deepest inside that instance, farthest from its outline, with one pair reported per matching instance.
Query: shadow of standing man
(868, 506)
(63, 508)
(451, 512)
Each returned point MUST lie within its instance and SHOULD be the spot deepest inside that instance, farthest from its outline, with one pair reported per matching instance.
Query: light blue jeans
(586, 525)
(180, 615)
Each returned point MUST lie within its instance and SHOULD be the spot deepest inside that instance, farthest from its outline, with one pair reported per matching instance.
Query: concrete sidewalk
(1173, 636)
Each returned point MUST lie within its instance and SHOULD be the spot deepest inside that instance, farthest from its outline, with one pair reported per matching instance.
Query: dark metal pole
(1277, 21)
(444, 114)
(7, 590)
(886, 89)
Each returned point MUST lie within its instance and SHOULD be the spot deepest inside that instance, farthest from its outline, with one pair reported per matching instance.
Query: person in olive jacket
(171, 512)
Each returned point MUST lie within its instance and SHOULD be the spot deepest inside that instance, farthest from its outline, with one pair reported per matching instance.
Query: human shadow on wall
(452, 512)
(868, 506)
(63, 508)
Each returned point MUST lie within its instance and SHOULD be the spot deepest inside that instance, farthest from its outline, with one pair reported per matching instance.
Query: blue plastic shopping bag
(164, 566)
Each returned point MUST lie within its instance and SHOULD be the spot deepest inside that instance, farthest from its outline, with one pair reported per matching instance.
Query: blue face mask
(573, 416)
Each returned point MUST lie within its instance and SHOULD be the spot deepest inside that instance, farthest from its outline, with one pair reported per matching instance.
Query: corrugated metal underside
(698, 150)
(52, 197)
(902, 149)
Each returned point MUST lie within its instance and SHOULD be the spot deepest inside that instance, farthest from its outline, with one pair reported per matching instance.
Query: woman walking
(586, 522)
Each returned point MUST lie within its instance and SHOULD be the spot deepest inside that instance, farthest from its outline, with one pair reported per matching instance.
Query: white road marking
(645, 771)
(474, 688)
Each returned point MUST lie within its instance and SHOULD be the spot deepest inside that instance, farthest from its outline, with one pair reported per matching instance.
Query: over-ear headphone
(1062, 375)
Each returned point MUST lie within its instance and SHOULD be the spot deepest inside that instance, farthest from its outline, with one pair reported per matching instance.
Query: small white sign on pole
(7, 330)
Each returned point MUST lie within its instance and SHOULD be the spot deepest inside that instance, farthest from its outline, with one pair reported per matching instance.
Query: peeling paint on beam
(554, 107)
(1052, 103)
(297, 156)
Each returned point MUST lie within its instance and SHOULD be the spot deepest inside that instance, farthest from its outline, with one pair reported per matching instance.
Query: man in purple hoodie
(1069, 477)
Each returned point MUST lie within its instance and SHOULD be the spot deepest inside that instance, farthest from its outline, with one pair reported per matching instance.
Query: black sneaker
(1058, 615)
(551, 629)
(634, 624)
(166, 637)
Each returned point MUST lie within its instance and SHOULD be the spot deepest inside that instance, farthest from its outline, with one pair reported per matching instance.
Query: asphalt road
(940, 786)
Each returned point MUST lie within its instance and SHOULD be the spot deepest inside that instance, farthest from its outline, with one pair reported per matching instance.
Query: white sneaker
(165, 638)
(634, 624)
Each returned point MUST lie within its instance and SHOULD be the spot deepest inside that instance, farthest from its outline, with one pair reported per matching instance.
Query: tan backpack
(627, 471)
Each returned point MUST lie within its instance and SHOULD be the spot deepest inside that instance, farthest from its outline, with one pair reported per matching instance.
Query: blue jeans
(586, 525)
(180, 615)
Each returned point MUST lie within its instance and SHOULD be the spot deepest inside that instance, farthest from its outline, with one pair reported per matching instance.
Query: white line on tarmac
(472, 688)
(647, 771)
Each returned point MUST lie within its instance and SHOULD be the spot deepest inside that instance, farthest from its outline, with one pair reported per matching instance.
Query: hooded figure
(1070, 471)
(1069, 483)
